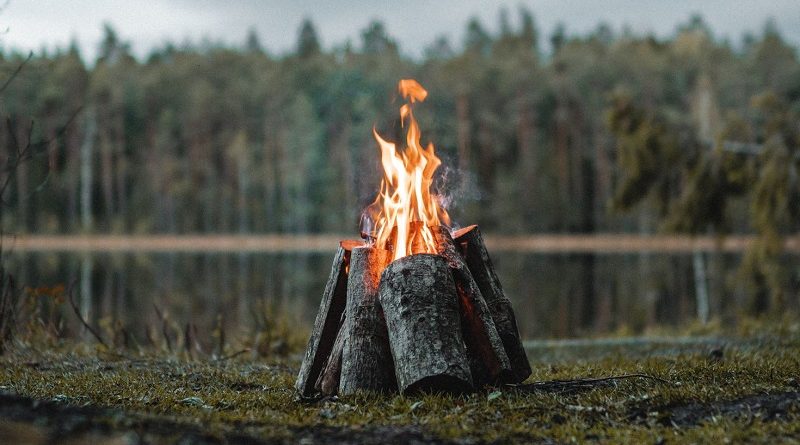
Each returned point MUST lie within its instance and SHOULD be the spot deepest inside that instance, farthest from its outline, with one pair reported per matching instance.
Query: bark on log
(470, 243)
(366, 358)
(328, 381)
(418, 297)
(488, 359)
(326, 325)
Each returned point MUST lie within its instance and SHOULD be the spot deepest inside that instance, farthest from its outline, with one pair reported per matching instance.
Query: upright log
(328, 380)
(327, 323)
(366, 358)
(488, 359)
(418, 297)
(470, 243)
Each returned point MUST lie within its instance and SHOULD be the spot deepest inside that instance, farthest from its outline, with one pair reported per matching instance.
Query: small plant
(19, 152)
(276, 333)
(8, 308)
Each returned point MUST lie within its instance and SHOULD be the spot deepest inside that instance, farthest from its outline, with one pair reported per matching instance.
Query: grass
(747, 390)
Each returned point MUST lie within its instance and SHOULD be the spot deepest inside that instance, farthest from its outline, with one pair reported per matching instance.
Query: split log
(418, 297)
(470, 243)
(328, 381)
(327, 323)
(488, 359)
(366, 357)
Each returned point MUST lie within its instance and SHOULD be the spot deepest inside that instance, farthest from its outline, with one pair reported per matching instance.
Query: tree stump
(488, 359)
(327, 322)
(366, 357)
(418, 297)
(470, 243)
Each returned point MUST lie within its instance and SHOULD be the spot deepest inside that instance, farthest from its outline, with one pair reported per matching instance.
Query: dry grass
(746, 391)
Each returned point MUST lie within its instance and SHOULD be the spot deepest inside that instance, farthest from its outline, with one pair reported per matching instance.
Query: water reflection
(555, 295)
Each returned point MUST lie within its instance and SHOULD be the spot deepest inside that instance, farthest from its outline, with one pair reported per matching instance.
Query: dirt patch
(27, 421)
(766, 407)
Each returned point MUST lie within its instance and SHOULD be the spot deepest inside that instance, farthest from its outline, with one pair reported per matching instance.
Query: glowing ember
(405, 210)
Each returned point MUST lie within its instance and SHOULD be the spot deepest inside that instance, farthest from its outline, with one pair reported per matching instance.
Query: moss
(706, 400)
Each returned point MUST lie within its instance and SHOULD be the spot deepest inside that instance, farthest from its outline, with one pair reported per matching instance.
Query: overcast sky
(34, 24)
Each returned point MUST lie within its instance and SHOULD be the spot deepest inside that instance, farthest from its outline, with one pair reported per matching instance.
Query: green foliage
(308, 42)
(703, 203)
(764, 174)
(207, 139)
(646, 152)
(528, 134)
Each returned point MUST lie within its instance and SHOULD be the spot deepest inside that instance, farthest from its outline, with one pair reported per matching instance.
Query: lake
(555, 295)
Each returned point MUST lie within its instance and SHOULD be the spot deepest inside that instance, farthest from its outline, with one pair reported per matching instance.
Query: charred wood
(327, 323)
(488, 359)
(328, 380)
(470, 243)
(366, 357)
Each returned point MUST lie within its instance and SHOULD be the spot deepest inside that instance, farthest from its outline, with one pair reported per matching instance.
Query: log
(418, 297)
(415, 236)
(327, 322)
(488, 359)
(470, 243)
(328, 381)
(366, 358)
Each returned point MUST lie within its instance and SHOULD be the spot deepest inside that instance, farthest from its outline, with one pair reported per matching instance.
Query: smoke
(366, 223)
(455, 189)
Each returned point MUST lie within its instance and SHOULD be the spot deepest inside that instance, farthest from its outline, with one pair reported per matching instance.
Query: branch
(80, 317)
(566, 385)
(16, 72)
(164, 327)
(744, 148)
(31, 150)
(230, 356)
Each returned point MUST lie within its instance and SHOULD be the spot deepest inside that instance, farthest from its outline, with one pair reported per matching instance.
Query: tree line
(607, 131)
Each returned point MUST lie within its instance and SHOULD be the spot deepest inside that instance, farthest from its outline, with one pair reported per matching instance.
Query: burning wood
(477, 259)
(489, 361)
(366, 359)
(413, 310)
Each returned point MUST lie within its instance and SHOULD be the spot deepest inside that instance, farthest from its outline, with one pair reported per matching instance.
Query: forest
(689, 138)
(606, 132)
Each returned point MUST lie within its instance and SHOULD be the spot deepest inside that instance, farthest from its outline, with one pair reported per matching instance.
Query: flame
(405, 210)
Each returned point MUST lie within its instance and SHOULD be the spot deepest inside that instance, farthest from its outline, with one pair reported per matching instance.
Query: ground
(718, 390)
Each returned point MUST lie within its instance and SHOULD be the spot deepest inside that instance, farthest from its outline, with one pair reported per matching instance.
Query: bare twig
(30, 150)
(198, 346)
(164, 327)
(220, 331)
(125, 336)
(230, 356)
(188, 340)
(588, 383)
(8, 307)
(80, 317)
(16, 72)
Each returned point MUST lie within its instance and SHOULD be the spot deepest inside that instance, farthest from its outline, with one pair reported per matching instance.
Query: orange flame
(405, 210)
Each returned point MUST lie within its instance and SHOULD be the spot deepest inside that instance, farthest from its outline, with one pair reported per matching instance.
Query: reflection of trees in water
(554, 295)
(628, 293)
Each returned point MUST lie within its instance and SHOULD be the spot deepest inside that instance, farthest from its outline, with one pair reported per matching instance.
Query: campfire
(412, 307)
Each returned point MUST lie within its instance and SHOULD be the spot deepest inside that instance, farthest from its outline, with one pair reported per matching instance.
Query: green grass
(257, 398)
